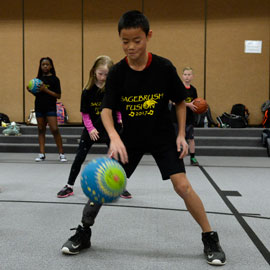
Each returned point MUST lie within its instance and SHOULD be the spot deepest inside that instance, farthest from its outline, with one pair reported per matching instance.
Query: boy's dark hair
(52, 70)
(133, 19)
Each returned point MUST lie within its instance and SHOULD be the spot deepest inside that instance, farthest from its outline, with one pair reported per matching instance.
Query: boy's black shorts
(189, 132)
(167, 161)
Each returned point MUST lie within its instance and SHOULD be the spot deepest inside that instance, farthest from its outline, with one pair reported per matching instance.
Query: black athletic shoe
(65, 192)
(212, 249)
(126, 195)
(80, 240)
(194, 162)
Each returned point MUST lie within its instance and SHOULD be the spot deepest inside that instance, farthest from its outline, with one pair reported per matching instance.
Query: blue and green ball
(34, 85)
(103, 180)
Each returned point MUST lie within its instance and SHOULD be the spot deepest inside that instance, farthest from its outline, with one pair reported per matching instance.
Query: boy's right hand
(118, 150)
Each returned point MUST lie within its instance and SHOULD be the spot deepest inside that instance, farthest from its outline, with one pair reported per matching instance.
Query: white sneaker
(62, 158)
(41, 157)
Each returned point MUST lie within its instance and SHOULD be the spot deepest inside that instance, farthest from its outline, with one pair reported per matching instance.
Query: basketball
(201, 105)
(103, 180)
(34, 85)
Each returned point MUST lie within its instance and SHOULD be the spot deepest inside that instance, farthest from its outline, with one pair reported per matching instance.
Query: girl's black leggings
(82, 151)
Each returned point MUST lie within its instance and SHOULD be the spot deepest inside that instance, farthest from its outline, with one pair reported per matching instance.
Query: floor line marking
(250, 215)
(252, 235)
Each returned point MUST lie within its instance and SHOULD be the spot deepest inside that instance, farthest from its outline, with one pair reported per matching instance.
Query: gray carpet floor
(153, 230)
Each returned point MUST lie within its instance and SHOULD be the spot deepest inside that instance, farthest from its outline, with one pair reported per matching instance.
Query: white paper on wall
(253, 46)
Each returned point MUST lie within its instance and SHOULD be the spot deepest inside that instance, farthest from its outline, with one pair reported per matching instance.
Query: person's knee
(181, 186)
(41, 130)
(55, 131)
(183, 189)
(79, 159)
(82, 152)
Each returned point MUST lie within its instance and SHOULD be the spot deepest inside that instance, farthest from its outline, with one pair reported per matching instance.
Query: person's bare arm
(43, 88)
(181, 143)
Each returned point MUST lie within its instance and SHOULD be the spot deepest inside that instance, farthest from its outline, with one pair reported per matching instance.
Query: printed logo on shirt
(188, 99)
(95, 104)
(97, 107)
(142, 105)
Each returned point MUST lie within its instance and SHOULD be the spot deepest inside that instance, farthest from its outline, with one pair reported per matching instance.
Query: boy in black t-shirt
(140, 87)
(191, 94)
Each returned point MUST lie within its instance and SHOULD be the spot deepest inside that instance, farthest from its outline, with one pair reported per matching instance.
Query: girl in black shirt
(93, 131)
(45, 107)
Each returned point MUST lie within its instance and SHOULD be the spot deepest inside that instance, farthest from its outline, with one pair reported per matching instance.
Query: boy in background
(191, 94)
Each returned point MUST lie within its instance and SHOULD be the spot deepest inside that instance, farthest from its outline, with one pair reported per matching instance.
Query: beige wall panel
(53, 28)
(11, 79)
(232, 75)
(178, 34)
(100, 29)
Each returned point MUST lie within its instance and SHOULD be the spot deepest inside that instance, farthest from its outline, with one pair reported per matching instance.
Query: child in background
(191, 94)
(45, 107)
(140, 86)
(93, 131)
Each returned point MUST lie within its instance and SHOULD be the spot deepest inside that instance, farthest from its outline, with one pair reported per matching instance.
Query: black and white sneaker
(80, 240)
(41, 157)
(62, 158)
(212, 249)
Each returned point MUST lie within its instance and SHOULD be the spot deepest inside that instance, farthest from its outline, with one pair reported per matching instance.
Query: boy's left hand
(192, 106)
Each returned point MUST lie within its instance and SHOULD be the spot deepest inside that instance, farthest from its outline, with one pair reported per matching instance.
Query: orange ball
(201, 105)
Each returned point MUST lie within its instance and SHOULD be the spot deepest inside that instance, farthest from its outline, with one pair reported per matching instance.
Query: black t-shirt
(191, 94)
(45, 102)
(142, 98)
(91, 101)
